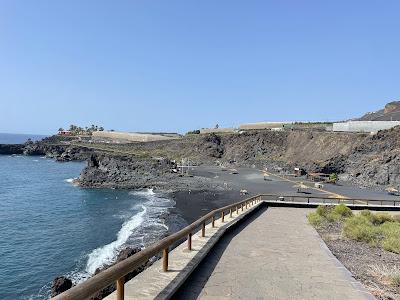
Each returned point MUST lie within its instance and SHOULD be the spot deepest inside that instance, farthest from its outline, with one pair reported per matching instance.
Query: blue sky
(181, 65)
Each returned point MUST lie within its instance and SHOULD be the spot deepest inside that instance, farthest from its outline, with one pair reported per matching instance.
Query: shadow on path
(193, 286)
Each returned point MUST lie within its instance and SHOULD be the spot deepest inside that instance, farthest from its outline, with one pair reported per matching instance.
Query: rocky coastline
(369, 161)
(359, 159)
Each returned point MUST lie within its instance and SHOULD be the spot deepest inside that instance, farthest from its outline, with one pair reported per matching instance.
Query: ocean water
(11, 138)
(49, 227)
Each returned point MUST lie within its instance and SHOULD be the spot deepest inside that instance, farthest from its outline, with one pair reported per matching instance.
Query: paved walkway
(277, 255)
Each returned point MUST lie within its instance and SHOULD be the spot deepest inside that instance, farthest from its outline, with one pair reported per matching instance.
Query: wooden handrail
(117, 272)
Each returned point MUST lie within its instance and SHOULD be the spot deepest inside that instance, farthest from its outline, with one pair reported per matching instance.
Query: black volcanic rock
(11, 149)
(123, 171)
(60, 284)
(212, 146)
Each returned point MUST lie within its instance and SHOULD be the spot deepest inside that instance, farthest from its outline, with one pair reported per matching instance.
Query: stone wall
(133, 136)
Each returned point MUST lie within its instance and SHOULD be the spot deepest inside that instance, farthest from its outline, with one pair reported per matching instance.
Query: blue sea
(49, 227)
(11, 138)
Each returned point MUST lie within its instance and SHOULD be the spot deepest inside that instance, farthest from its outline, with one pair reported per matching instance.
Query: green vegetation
(315, 219)
(395, 279)
(359, 228)
(333, 178)
(197, 131)
(77, 130)
(377, 229)
(325, 214)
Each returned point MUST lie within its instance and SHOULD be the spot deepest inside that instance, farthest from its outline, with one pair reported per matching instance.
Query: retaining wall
(132, 136)
(364, 126)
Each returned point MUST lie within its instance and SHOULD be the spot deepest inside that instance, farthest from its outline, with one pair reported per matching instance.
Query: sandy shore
(195, 204)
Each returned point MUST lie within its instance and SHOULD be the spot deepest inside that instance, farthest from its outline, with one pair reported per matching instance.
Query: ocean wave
(144, 192)
(70, 180)
(145, 226)
(106, 254)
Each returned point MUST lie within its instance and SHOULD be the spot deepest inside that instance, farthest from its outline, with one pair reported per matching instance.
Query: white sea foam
(69, 180)
(145, 192)
(142, 228)
(106, 254)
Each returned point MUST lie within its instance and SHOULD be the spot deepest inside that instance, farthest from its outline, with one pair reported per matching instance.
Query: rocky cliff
(391, 112)
(109, 170)
(362, 159)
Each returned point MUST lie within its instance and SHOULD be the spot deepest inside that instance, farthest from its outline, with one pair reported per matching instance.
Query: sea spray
(144, 227)
(106, 254)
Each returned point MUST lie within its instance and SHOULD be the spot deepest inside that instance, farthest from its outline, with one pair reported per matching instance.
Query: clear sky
(181, 65)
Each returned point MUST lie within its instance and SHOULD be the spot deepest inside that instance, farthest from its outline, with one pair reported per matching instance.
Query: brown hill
(391, 112)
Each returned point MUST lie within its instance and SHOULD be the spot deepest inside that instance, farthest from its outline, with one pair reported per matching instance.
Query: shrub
(194, 132)
(391, 234)
(390, 229)
(386, 273)
(396, 218)
(380, 218)
(343, 211)
(366, 213)
(334, 213)
(333, 177)
(395, 279)
(359, 228)
(315, 219)
(324, 210)
(392, 244)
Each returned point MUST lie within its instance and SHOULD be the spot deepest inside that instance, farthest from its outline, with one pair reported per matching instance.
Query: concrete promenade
(275, 254)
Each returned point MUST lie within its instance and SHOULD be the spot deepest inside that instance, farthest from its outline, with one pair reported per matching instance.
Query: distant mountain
(391, 112)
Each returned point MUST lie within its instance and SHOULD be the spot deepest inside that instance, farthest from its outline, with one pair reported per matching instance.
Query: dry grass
(388, 275)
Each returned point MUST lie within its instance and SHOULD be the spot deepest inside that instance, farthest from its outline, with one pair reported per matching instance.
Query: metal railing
(329, 200)
(117, 272)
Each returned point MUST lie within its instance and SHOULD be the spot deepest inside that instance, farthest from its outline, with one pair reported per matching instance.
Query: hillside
(391, 112)
(361, 159)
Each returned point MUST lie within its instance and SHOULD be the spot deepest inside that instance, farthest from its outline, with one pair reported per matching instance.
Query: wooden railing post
(189, 240)
(203, 229)
(242, 206)
(120, 288)
(237, 209)
(230, 212)
(213, 221)
(222, 217)
(165, 259)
